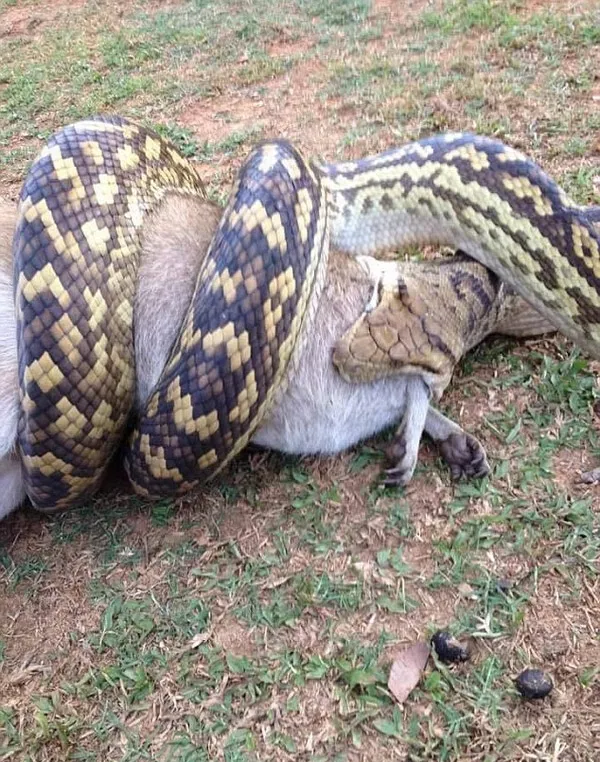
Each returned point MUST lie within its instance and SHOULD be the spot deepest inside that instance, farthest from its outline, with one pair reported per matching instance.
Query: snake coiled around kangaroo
(84, 203)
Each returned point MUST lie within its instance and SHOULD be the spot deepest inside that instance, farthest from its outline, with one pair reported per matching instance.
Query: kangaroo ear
(521, 319)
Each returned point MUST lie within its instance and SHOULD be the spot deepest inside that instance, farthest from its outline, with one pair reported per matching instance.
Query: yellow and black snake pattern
(82, 210)
(487, 199)
(76, 253)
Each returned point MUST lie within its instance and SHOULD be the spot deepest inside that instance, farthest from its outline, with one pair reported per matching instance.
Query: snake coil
(77, 249)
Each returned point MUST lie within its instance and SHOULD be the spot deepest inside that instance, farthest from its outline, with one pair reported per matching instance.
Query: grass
(258, 620)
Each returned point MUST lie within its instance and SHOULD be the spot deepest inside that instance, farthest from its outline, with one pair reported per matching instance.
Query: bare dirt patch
(271, 108)
(20, 21)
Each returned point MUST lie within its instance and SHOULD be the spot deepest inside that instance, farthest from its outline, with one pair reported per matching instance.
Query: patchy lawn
(257, 620)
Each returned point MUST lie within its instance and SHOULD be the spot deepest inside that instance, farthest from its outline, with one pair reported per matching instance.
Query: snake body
(479, 195)
(82, 208)
(84, 204)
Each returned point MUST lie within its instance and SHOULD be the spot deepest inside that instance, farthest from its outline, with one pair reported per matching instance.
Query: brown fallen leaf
(407, 669)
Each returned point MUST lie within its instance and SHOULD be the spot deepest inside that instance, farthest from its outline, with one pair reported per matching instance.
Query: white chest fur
(320, 412)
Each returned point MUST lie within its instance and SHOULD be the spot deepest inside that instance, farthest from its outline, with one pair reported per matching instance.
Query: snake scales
(84, 204)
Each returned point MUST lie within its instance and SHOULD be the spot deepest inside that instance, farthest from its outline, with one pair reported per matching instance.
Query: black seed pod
(534, 684)
(448, 648)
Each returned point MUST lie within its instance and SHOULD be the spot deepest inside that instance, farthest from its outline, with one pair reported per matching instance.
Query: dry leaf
(198, 639)
(407, 669)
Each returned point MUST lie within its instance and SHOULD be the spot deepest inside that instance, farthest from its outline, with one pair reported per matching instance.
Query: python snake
(82, 211)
